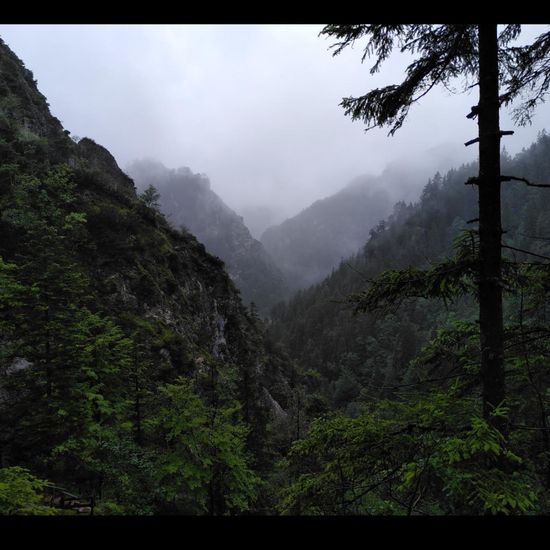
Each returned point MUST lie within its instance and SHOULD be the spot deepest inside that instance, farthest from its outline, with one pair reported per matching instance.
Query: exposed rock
(276, 410)
(18, 364)
(103, 163)
(219, 337)
(20, 100)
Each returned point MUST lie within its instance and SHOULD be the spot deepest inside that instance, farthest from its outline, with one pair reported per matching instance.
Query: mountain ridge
(309, 245)
(187, 200)
(87, 267)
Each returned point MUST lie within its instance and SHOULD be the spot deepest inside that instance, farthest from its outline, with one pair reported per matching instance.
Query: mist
(254, 107)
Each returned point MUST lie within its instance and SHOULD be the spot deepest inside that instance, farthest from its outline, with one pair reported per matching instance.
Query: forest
(139, 378)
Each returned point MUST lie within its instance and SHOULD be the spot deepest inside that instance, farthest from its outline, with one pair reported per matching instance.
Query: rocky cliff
(188, 200)
(130, 270)
(140, 263)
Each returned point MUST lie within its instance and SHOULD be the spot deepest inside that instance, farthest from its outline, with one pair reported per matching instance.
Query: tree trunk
(490, 230)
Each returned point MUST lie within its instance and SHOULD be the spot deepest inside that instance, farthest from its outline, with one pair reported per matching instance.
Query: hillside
(357, 354)
(112, 322)
(135, 381)
(188, 200)
(309, 245)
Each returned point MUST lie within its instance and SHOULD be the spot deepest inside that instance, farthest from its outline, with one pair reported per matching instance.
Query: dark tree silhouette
(504, 74)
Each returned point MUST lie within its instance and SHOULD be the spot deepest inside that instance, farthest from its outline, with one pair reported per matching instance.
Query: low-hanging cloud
(255, 107)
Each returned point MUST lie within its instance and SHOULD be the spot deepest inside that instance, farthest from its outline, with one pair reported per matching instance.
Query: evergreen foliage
(150, 197)
(395, 443)
(132, 375)
(116, 330)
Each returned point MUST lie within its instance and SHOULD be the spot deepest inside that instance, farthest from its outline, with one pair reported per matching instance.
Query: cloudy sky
(255, 107)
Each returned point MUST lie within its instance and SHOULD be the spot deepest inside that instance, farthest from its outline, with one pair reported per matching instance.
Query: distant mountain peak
(309, 245)
(186, 198)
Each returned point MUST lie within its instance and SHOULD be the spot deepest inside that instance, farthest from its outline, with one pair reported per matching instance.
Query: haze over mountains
(187, 200)
(296, 253)
(137, 379)
(309, 245)
(299, 252)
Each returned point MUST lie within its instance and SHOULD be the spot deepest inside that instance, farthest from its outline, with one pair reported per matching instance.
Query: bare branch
(524, 180)
(526, 252)
(533, 237)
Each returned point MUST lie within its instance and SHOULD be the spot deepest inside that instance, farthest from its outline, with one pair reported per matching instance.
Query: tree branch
(524, 180)
(533, 237)
(525, 252)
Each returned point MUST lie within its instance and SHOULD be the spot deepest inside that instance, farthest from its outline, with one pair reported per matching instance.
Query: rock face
(187, 199)
(104, 164)
(309, 245)
(21, 101)
(145, 274)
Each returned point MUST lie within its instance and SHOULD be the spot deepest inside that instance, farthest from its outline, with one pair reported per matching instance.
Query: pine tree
(150, 197)
(443, 53)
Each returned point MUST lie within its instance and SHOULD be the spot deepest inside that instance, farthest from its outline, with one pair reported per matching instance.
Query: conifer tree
(150, 197)
(503, 74)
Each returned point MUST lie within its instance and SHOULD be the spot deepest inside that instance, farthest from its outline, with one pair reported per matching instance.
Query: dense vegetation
(404, 381)
(130, 372)
(134, 381)
(470, 438)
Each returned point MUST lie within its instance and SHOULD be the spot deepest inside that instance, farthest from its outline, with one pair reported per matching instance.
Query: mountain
(364, 355)
(187, 199)
(389, 350)
(309, 245)
(259, 217)
(121, 338)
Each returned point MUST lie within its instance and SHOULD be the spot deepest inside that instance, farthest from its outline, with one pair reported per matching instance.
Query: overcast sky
(255, 107)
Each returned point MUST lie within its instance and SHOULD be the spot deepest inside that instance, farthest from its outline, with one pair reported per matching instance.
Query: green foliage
(107, 508)
(444, 52)
(92, 380)
(102, 303)
(21, 493)
(426, 448)
(446, 280)
(150, 197)
(10, 290)
(205, 467)
(402, 458)
(77, 358)
(320, 333)
(111, 387)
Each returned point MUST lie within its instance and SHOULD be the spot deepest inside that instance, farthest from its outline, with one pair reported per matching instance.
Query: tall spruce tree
(503, 74)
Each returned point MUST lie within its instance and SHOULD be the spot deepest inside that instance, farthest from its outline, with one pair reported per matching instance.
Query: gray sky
(255, 107)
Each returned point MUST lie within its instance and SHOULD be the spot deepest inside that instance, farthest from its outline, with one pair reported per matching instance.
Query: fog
(254, 107)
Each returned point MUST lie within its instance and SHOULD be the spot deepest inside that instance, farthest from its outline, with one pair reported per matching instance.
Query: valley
(160, 358)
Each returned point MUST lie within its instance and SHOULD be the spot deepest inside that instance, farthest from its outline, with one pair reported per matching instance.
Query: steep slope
(187, 199)
(358, 356)
(309, 245)
(107, 315)
(259, 217)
